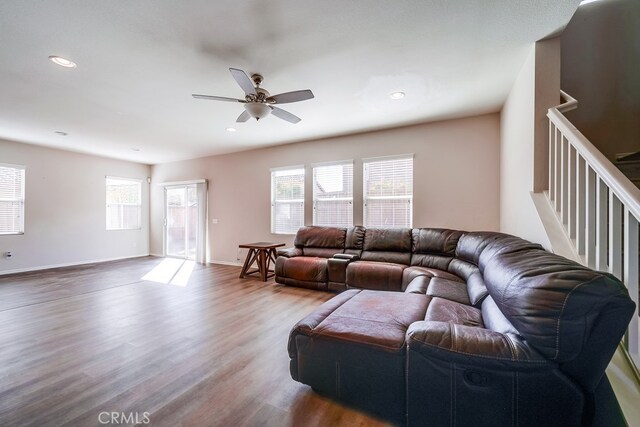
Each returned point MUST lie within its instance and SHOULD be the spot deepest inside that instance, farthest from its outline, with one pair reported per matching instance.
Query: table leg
(251, 256)
(262, 263)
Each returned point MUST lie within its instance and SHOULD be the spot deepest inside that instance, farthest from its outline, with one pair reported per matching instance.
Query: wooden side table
(262, 253)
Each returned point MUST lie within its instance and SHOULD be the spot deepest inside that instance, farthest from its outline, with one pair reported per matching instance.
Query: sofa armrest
(337, 267)
(467, 344)
(290, 252)
(348, 257)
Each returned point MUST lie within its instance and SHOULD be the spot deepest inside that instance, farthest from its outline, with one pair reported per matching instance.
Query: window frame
(275, 202)
(313, 192)
(21, 200)
(137, 181)
(366, 197)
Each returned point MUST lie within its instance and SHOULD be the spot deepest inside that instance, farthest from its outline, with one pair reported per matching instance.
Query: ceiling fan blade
(285, 115)
(217, 98)
(295, 96)
(244, 81)
(243, 117)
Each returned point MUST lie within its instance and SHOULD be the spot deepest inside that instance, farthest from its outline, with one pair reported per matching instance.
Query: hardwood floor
(79, 342)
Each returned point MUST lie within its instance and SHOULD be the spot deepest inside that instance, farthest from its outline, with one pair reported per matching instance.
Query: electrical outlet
(8, 255)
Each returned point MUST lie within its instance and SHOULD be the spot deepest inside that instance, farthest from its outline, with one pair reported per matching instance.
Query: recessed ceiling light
(135, 149)
(397, 95)
(63, 62)
(59, 132)
(230, 129)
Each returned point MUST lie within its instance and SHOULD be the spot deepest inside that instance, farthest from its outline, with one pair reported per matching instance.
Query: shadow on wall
(600, 68)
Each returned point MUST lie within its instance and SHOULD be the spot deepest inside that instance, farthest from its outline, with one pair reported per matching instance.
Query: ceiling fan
(258, 103)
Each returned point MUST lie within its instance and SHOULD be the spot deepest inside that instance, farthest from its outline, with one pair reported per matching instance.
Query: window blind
(388, 192)
(11, 199)
(333, 195)
(124, 203)
(287, 200)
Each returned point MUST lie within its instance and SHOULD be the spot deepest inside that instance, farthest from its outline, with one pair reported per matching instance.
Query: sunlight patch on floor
(171, 271)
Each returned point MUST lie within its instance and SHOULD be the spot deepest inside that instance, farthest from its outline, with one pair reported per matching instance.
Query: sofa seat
(308, 272)
(410, 273)
(452, 290)
(353, 348)
(383, 276)
(443, 310)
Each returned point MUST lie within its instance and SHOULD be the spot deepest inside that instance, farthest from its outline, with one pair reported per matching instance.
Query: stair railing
(599, 208)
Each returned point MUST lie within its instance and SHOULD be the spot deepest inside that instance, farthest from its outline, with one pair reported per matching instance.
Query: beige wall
(456, 180)
(601, 69)
(65, 209)
(518, 214)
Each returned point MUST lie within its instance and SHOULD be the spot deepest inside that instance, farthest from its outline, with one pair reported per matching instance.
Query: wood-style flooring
(208, 351)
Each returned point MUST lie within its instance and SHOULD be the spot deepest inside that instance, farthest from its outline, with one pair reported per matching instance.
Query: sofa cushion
(438, 287)
(433, 247)
(476, 288)
(412, 272)
(355, 240)
(318, 241)
(443, 310)
(375, 275)
(303, 268)
(387, 245)
(451, 290)
(436, 241)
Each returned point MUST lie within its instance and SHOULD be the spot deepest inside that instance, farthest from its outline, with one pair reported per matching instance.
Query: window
(333, 195)
(287, 200)
(388, 192)
(124, 204)
(11, 199)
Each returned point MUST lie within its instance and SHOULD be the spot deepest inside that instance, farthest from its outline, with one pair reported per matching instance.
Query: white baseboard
(235, 264)
(67, 264)
(157, 255)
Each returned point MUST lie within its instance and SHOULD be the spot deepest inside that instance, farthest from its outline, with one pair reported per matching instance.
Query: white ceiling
(140, 61)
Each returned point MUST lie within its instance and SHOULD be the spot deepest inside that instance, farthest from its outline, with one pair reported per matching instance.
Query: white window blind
(388, 192)
(11, 199)
(124, 203)
(333, 195)
(287, 200)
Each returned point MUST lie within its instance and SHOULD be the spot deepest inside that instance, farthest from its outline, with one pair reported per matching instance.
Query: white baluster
(615, 235)
(631, 277)
(590, 217)
(581, 193)
(552, 161)
(571, 190)
(564, 190)
(601, 225)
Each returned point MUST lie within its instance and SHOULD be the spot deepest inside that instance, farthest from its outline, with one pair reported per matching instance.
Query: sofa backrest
(387, 245)
(355, 240)
(569, 313)
(322, 242)
(434, 247)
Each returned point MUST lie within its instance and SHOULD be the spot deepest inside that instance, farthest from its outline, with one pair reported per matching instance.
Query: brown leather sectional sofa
(444, 327)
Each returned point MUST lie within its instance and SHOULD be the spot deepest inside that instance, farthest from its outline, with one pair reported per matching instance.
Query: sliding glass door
(181, 221)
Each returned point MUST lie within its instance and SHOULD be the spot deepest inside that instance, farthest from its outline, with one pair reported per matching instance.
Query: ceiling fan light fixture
(257, 110)
(63, 62)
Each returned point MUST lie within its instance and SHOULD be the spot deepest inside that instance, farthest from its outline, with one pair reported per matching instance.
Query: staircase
(599, 210)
